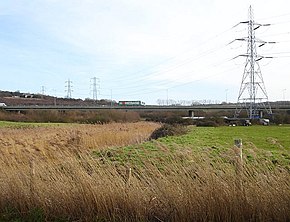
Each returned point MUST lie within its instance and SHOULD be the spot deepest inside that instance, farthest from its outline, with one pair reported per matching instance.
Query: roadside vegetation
(113, 172)
(53, 116)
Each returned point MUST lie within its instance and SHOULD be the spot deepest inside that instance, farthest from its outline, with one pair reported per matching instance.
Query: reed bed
(47, 141)
(70, 184)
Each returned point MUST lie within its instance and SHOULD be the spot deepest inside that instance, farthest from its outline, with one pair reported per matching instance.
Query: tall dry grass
(73, 185)
(45, 142)
(80, 188)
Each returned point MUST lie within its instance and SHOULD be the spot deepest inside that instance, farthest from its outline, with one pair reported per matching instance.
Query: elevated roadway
(225, 107)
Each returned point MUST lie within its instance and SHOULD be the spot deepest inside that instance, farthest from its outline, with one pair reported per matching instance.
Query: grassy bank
(267, 144)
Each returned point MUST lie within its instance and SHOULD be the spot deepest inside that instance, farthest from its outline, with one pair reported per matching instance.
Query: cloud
(154, 43)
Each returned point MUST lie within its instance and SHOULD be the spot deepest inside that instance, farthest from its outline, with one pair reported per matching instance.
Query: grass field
(5, 124)
(110, 172)
(260, 143)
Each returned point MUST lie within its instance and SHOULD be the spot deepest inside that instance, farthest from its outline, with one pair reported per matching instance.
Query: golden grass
(46, 142)
(45, 180)
(80, 188)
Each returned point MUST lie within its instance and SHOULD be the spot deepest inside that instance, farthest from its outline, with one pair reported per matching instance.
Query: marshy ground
(110, 172)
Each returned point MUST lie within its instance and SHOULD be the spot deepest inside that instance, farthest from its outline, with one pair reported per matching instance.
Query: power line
(150, 76)
(142, 92)
(168, 84)
(275, 16)
(144, 76)
(147, 76)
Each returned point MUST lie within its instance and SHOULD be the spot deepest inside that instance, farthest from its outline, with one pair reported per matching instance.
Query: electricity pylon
(69, 88)
(252, 94)
(96, 85)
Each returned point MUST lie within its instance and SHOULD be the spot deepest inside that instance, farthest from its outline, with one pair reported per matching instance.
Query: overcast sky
(140, 49)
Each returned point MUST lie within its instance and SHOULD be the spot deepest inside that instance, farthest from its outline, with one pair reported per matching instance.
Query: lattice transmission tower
(252, 94)
(68, 88)
(96, 86)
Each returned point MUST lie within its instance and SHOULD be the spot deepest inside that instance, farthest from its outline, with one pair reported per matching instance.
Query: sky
(148, 50)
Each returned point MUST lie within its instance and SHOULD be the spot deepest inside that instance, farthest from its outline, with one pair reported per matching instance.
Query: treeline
(54, 116)
(19, 98)
(53, 101)
(212, 119)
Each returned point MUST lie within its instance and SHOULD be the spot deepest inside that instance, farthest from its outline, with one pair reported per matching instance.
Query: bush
(170, 120)
(281, 117)
(70, 116)
(209, 123)
(168, 130)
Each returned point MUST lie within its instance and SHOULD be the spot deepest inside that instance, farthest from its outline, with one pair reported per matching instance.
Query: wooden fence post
(238, 148)
(129, 175)
(32, 175)
(239, 144)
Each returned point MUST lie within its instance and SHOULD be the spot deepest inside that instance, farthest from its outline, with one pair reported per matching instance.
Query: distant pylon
(252, 94)
(96, 85)
(69, 88)
(43, 90)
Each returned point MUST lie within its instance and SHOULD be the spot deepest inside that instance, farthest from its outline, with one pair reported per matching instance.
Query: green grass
(4, 124)
(260, 143)
(262, 137)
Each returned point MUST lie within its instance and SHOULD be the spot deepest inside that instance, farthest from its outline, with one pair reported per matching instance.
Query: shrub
(70, 116)
(207, 122)
(168, 130)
